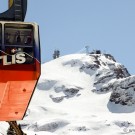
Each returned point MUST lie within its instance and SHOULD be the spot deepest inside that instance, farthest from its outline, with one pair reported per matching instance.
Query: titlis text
(18, 58)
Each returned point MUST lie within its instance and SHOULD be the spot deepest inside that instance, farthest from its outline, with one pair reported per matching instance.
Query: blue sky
(70, 25)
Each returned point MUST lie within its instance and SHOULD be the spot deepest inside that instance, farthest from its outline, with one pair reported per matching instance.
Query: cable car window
(18, 38)
(29, 55)
(18, 34)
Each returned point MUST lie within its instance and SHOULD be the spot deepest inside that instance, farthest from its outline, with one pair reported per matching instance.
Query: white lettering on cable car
(15, 59)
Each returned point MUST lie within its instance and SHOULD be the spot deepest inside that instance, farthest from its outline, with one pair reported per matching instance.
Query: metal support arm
(16, 12)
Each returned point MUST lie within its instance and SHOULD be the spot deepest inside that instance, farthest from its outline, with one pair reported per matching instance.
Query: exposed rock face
(67, 93)
(108, 69)
(124, 91)
(108, 76)
(112, 76)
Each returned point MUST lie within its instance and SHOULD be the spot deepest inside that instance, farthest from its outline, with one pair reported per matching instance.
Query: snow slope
(82, 94)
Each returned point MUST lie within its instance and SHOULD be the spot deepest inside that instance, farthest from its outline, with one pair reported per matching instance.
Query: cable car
(19, 67)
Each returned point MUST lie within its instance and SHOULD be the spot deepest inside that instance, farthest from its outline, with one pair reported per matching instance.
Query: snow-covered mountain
(82, 94)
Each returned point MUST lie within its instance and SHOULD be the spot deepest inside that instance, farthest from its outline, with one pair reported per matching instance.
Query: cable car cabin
(19, 67)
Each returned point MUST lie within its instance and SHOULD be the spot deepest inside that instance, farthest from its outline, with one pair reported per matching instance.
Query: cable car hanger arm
(16, 12)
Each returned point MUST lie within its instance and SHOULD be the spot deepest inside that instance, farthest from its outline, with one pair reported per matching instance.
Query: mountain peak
(83, 94)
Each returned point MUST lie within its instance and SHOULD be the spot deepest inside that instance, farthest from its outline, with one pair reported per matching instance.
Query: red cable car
(19, 67)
